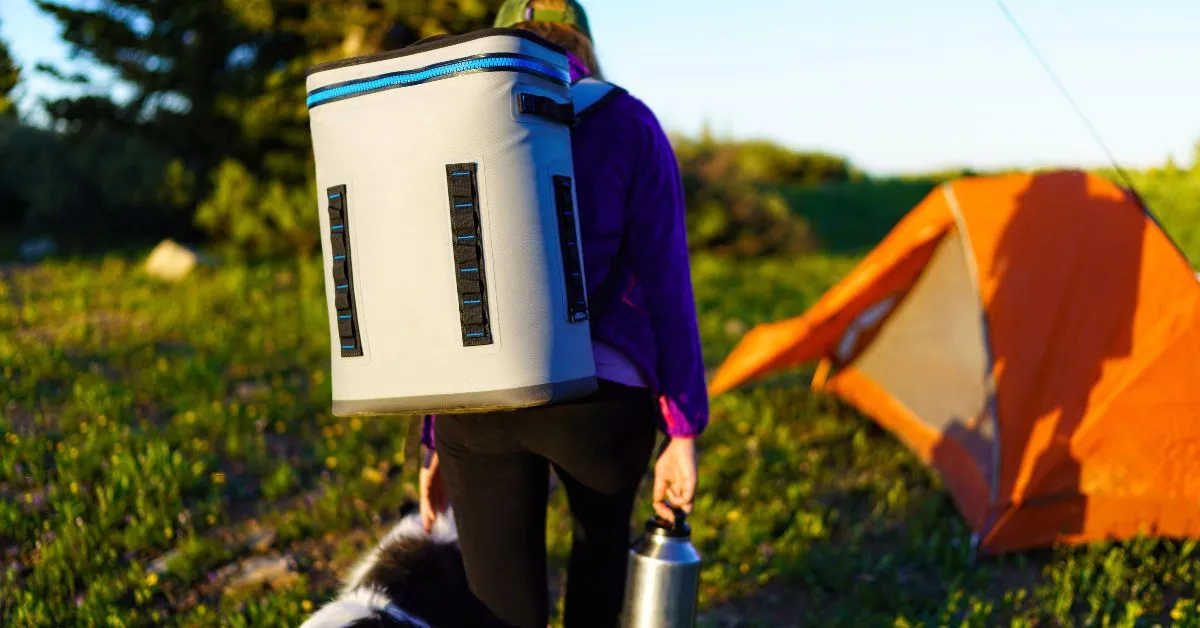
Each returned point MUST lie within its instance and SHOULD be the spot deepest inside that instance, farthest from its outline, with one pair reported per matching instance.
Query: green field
(155, 439)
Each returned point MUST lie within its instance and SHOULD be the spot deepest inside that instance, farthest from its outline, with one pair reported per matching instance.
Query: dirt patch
(8, 275)
(21, 420)
(323, 562)
(104, 327)
(775, 605)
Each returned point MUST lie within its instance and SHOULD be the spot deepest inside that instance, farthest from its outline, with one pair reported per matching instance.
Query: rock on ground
(171, 261)
(275, 572)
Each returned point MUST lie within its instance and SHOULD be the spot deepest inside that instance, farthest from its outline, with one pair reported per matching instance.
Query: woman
(494, 468)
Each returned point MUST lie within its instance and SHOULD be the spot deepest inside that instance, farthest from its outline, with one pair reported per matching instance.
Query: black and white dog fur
(411, 578)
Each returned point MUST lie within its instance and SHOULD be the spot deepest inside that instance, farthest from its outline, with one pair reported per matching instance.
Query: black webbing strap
(466, 238)
(548, 108)
(345, 308)
(564, 204)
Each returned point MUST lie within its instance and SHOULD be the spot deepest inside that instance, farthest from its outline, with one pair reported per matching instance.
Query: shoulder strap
(589, 94)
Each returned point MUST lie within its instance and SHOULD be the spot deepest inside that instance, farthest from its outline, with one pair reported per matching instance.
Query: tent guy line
(1062, 88)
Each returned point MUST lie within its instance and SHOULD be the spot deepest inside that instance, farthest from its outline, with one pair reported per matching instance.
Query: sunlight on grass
(143, 422)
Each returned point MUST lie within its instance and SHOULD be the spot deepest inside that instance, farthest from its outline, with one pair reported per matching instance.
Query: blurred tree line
(211, 139)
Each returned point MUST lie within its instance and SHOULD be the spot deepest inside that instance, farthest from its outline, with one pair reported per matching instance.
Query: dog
(411, 578)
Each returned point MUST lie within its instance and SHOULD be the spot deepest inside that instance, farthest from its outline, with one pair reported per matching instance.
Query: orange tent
(1034, 338)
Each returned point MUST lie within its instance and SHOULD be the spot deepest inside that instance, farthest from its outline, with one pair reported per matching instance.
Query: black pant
(496, 468)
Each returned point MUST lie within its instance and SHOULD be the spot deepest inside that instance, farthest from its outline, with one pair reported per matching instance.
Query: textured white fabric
(391, 148)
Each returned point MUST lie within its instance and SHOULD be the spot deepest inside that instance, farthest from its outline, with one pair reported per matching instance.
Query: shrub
(254, 217)
(103, 183)
(1172, 194)
(36, 175)
(127, 181)
(766, 161)
(733, 207)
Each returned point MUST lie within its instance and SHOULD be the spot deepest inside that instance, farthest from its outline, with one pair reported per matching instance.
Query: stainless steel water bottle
(663, 577)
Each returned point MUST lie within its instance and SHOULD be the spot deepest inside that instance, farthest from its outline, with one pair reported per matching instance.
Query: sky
(893, 86)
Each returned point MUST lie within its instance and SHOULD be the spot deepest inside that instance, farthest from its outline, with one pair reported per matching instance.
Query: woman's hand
(433, 492)
(675, 478)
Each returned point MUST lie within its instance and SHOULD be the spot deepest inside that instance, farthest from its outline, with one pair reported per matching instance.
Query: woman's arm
(658, 250)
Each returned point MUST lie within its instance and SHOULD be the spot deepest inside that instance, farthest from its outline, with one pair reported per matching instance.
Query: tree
(10, 75)
(219, 84)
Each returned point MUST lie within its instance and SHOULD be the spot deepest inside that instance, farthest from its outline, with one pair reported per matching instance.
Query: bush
(254, 217)
(734, 208)
(36, 175)
(103, 183)
(1172, 194)
(765, 161)
(738, 219)
(129, 182)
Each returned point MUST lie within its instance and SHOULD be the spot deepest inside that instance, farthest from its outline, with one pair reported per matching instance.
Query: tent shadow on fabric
(1063, 372)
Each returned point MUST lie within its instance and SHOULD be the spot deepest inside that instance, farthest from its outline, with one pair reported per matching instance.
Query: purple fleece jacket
(631, 218)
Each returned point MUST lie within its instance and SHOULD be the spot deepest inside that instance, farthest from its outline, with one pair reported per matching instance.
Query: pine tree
(10, 75)
(220, 84)
(223, 79)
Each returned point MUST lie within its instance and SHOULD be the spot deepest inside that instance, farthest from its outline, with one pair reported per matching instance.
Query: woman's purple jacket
(631, 218)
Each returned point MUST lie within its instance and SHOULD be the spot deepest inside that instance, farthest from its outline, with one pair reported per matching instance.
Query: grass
(153, 438)
(850, 218)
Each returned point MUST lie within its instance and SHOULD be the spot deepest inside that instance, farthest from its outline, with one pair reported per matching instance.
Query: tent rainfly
(1035, 338)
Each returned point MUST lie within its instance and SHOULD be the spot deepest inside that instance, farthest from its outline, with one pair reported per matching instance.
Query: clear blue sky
(894, 86)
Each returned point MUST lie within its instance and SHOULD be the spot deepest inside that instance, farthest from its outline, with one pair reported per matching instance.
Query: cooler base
(487, 401)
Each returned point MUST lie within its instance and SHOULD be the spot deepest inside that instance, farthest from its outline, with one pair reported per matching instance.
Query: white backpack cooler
(454, 274)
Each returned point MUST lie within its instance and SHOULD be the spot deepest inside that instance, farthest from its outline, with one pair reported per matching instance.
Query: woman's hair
(564, 35)
(561, 34)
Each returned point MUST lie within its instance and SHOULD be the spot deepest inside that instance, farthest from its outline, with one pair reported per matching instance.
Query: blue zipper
(435, 72)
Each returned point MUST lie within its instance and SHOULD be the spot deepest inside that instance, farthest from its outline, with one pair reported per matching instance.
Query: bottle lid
(661, 527)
